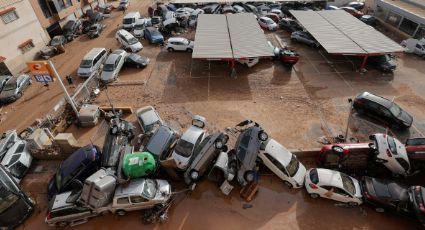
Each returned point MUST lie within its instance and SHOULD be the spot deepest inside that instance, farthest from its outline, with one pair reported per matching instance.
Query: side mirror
(350, 100)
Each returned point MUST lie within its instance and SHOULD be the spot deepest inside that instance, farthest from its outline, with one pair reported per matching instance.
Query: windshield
(9, 86)
(395, 110)
(184, 148)
(85, 64)
(128, 20)
(108, 67)
(348, 184)
(7, 199)
(55, 41)
(293, 166)
(139, 27)
(132, 41)
(18, 170)
(392, 145)
(149, 189)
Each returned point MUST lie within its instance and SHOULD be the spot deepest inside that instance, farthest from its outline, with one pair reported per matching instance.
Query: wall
(15, 33)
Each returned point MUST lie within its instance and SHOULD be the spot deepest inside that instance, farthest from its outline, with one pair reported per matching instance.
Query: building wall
(15, 33)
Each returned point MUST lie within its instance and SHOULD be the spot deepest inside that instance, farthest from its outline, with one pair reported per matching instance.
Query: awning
(341, 33)
(232, 36)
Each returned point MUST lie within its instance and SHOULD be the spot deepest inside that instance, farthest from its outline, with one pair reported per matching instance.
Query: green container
(138, 164)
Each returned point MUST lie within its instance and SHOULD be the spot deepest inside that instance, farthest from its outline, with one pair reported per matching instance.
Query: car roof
(148, 115)
(192, 134)
(134, 187)
(111, 58)
(375, 98)
(75, 159)
(92, 53)
(176, 39)
(12, 151)
(125, 33)
(329, 177)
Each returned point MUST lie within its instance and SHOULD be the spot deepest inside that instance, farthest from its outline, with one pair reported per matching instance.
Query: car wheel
(353, 204)
(314, 195)
(189, 50)
(218, 144)
(62, 224)
(381, 210)
(138, 66)
(194, 175)
(170, 49)
(249, 175)
(120, 212)
(337, 149)
(263, 136)
(19, 94)
(287, 183)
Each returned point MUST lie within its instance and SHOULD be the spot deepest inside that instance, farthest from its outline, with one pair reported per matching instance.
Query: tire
(288, 184)
(218, 144)
(189, 50)
(120, 212)
(314, 195)
(62, 224)
(337, 149)
(19, 94)
(170, 49)
(380, 210)
(353, 204)
(263, 136)
(249, 175)
(194, 175)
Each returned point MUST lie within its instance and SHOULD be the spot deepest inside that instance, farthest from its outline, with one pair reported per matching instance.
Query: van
(128, 41)
(129, 20)
(92, 62)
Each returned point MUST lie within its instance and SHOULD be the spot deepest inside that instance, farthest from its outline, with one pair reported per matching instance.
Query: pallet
(249, 191)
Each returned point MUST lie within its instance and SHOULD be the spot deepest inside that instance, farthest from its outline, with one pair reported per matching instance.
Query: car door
(139, 202)
(276, 167)
(342, 196)
(372, 109)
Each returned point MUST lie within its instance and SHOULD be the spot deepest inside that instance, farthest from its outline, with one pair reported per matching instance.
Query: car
(278, 12)
(369, 20)
(14, 88)
(161, 142)
(130, 19)
(286, 56)
(95, 30)
(140, 194)
(392, 153)
(153, 35)
(207, 151)
(184, 12)
(3, 80)
(123, 5)
(149, 119)
(74, 170)
(71, 28)
(352, 11)
(263, 9)
(356, 5)
(16, 206)
(416, 194)
(304, 37)
(189, 141)
(94, 17)
(382, 109)
(17, 158)
(273, 16)
(227, 9)
(139, 27)
(55, 47)
(7, 140)
(386, 195)
(289, 25)
(212, 8)
(113, 65)
(246, 149)
(179, 44)
(64, 211)
(333, 185)
(128, 41)
(384, 63)
(351, 157)
(238, 9)
(331, 7)
(136, 60)
(415, 148)
(267, 23)
(415, 46)
(58, 40)
(282, 163)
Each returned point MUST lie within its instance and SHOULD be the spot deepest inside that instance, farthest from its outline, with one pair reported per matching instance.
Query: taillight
(388, 153)
(49, 215)
(368, 195)
(312, 186)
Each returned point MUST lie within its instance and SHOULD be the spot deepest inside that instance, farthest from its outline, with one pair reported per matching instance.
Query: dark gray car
(95, 30)
(160, 143)
(14, 88)
(3, 80)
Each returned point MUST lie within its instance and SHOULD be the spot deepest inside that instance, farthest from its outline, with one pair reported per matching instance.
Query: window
(9, 17)
(68, 3)
(420, 33)
(408, 26)
(122, 200)
(276, 163)
(45, 8)
(393, 19)
(403, 163)
(26, 46)
(137, 199)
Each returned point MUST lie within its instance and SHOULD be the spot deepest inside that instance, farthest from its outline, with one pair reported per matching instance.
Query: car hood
(136, 46)
(406, 118)
(300, 175)
(181, 161)
(106, 76)
(164, 190)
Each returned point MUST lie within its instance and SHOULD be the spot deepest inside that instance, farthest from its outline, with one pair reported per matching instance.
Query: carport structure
(342, 34)
(230, 37)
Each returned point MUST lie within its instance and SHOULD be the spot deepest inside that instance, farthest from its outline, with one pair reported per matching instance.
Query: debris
(245, 206)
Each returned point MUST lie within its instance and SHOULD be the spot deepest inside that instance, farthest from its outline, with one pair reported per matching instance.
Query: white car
(391, 153)
(179, 44)
(283, 163)
(128, 41)
(249, 62)
(190, 139)
(267, 23)
(139, 27)
(113, 65)
(333, 185)
(149, 119)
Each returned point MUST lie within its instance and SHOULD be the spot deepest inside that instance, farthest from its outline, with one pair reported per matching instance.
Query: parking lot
(296, 106)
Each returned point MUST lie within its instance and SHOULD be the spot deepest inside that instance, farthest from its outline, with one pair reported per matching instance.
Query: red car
(350, 156)
(286, 56)
(415, 148)
(352, 11)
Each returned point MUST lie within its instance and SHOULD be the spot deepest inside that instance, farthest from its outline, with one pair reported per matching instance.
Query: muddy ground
(296, 106)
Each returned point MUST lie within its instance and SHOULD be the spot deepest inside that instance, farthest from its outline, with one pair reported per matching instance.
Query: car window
(392, 145)
(245, 139)
(329, 188)
(314, 176)
(137, 199)
(403, 163)
(348, 183)
(384, 111)
(199, 140)
(341, 192)
(418, 46)
(122, 200)
(372, 105)
(276, 163)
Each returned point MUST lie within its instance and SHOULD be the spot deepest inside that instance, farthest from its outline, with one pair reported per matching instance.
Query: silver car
(14, 88)
(113, 65)
(304, 37)
(148, 119)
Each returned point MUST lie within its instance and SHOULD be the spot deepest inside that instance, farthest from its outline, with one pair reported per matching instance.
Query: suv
(382, 109)
(71, 28)
(179, 44)
(383, 63)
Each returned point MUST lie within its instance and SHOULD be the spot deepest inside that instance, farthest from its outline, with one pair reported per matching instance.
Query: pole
(364, 62)
(349, 118)
(68, 98)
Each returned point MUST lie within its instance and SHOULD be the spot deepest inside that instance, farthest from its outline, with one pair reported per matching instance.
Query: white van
(129, 20)
(92, 62)
(139, 28)
(128, 41)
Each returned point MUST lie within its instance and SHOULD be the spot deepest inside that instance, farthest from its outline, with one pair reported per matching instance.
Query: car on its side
(189, 141)
(128, 41)
(384, 63)
(74, 170)
(283, 163)
(135, 60)
(149, 119)
(351, 157)
(179, 44)
(267, 23)
(161, 142)
(204, 155)
(352, 11)
(289, 25)
(14, 88)
(153, 35)
(304, 37)
(95, 30)
(333, 185)
(140, 194)
(382, 109)
(113, 65)
(17, 159)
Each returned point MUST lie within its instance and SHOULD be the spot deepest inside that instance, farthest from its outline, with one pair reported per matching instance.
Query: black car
(384, 63)
(95, 30)
(71, 28)
(15, 205)
(246, 150)
(417, 195)
(382, 109)
(289, 25)
(369, 20)
(161, 141)
(3, 80)
(386, 195)
(136, 60)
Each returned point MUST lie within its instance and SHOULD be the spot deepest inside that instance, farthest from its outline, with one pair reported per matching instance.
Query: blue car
(153, 35)
(74, 170)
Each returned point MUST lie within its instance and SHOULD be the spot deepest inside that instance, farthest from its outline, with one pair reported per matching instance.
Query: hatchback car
(112, 66)
(190, 140)
(286, 56)
(283, 163)
(161, 142)
(304, 37)
(384, 63)
(14, 88)
(267, 23)
(140, 194)
(333, 185)
(382, 109)
(153, 35)
(149, 119)
(128, 41)
(179, 44)
(135, 60)
(17, 159)
(289, 25)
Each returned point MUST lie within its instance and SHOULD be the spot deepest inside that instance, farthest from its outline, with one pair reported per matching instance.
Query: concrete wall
(15, 33)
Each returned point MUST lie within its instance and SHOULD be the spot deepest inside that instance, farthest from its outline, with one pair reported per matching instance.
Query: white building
(21, 35)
